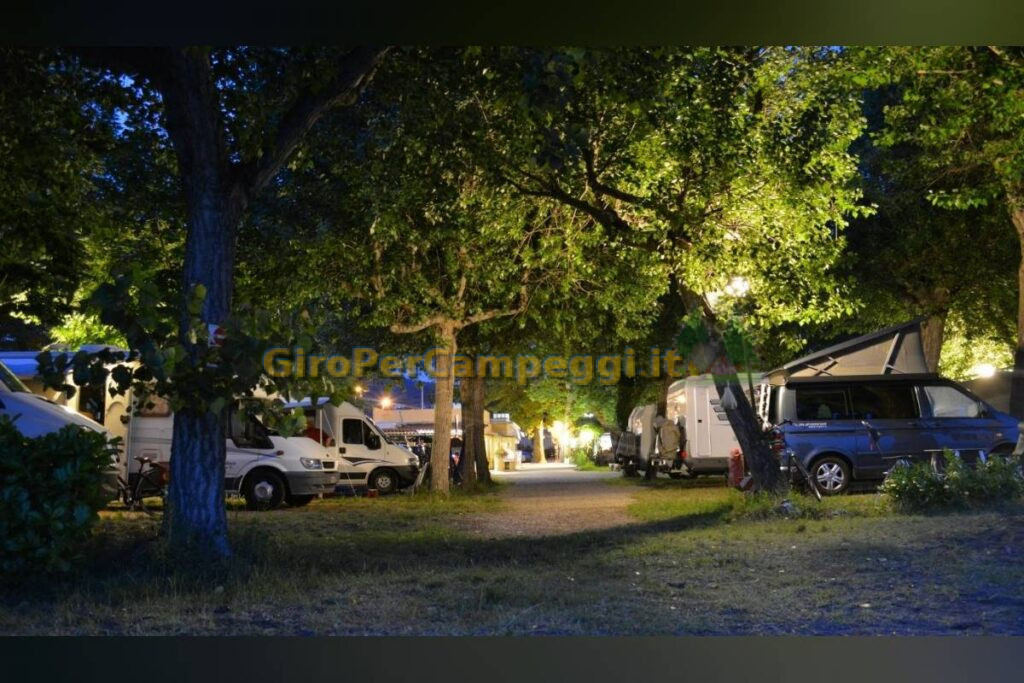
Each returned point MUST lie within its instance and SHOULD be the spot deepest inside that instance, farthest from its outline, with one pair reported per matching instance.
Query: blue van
(851, 428)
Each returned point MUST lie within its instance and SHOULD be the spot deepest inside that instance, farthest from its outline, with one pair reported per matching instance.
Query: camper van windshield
(11, 381)
(377, 429)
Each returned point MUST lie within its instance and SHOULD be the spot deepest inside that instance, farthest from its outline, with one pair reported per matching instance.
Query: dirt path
(548, 500)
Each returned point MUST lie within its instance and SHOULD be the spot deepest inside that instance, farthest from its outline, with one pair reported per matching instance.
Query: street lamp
(385, 402)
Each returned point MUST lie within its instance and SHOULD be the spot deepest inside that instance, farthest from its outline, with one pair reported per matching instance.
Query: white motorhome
(366, 456)
(264, 468)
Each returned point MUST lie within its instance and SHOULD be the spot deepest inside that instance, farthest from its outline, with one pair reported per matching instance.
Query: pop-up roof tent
(893, 350)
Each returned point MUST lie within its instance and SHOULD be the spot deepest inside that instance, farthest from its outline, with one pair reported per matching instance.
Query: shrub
(919, 487)
(51, 488)
(581, 458)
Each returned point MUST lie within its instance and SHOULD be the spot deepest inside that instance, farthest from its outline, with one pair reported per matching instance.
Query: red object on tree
(736, 468)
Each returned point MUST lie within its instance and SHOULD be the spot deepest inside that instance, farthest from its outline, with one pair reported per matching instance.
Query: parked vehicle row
(265, 468)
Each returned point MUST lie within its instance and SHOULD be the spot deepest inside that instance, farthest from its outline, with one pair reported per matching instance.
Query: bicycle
(150, 482)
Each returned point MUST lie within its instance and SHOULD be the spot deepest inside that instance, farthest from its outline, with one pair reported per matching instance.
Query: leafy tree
(55, 128)
(961, 108)
(431, 240)
(912, 258)
(233, 118)
(727, 163)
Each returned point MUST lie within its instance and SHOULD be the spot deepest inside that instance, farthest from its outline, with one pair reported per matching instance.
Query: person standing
(668, 442)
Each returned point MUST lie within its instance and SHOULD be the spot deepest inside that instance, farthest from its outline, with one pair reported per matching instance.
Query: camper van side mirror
(373, 442)
(982, 409)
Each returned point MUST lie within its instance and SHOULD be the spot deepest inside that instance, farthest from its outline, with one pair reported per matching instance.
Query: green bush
(51, 488)
(581, 458)
(918, 487)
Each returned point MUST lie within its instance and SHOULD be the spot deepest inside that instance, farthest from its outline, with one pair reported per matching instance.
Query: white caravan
(707, 436)
(366, 457)
(264, 468)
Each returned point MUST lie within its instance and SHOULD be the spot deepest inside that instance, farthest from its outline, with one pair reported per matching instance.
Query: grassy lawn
(700, 559)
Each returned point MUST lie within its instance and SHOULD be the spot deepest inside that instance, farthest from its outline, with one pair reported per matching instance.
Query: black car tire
(263, 490)
(385, 480)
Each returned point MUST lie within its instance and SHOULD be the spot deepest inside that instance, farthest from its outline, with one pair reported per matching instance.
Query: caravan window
(951, 402)
(883, 402)
(821, 404)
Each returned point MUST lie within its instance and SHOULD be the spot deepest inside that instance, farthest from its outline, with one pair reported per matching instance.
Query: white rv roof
(306, 402)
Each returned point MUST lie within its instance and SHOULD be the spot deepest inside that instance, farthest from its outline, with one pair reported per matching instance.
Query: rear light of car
(777, 441)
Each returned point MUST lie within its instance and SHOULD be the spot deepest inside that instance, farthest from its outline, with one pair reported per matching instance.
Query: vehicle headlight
(312, 463)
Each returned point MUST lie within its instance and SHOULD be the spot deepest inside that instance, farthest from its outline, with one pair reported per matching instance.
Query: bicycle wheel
(150, 484)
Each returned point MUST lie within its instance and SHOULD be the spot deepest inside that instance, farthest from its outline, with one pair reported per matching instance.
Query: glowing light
(586, 436)
(385, 402)
(983, 370)
(358, 389)
(738, 286)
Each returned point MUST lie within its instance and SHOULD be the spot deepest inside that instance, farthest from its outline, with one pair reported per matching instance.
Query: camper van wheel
(831, 475)
(263, 490)
(384, 480)
(299, 501)
(629, 470)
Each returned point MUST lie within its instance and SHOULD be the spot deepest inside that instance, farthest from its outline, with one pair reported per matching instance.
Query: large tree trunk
(760, 460)
(467, 463)
(474, 443)
(195, 519)
(932, 334)
(1017, 383)
(757, 454)
(538, 443)
(666, 382)
(443, 399)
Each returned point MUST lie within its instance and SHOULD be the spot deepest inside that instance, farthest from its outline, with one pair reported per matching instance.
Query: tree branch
(437, 320)
(356, 70)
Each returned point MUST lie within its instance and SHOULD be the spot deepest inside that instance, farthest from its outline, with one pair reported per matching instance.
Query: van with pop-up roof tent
(853, 410)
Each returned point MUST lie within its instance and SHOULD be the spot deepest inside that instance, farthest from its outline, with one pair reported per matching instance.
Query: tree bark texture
(1017, 383)
(932, 335)
(467, 463)
(475, 463)
(538, 443)
(444, 397)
